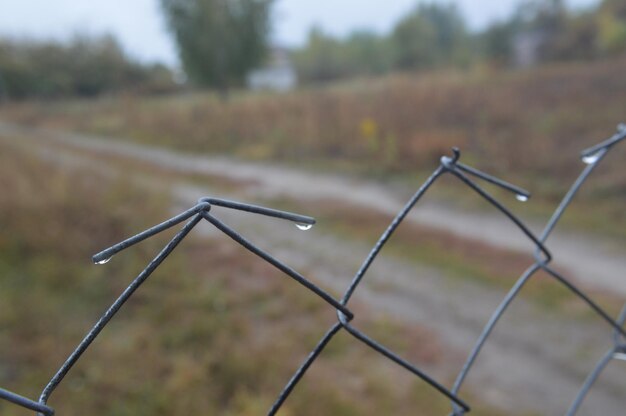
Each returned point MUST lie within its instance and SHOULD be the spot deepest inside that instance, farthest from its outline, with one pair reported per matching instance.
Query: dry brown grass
(527, 126)
(212, 331)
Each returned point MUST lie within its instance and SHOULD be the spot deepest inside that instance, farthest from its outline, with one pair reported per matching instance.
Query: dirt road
(534, 363)
(592, 261)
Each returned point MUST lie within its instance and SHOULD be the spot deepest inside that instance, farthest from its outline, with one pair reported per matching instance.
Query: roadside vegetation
(526, 126)
(85, 66)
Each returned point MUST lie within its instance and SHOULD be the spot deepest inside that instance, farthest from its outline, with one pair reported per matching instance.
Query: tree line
(85, 66)
(437, 36)
(220, 41)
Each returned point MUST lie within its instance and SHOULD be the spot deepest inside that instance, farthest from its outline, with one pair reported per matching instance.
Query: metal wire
(617, 352)
(26, 403)
(449, 165)
(591, 157)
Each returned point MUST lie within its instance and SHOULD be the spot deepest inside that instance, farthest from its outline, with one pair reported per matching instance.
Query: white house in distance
(278, 74)
(526, 48)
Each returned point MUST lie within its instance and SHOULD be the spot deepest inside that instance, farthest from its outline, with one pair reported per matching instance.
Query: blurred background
(115, 115)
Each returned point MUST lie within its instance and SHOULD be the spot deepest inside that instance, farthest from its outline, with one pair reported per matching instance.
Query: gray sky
(139, 25)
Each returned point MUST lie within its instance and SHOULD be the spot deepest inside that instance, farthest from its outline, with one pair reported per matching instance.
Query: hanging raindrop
(592, 158)
(304, 227)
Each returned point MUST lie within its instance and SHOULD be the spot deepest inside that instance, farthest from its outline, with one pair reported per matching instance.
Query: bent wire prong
(591, 157)
(204, 204)
(256, 209)
(26, 403)
(105, 255)
(451, 162)
(457, 169)
(448, 165)
(592, 151)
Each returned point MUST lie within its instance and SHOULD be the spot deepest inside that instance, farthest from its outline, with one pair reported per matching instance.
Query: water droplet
(304, 227)
(619, 356)
(592, 158)
(105, 261)
(522, 198)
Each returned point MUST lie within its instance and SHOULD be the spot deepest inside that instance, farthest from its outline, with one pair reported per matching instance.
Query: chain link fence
(450, 165)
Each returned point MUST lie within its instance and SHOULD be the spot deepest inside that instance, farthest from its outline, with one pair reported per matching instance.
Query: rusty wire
(449, 165)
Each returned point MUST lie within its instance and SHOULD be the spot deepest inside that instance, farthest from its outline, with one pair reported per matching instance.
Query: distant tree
(321, 59)
(563, 35)
(325, 58)
(368, 53)
(612, 27)
(85, 66)
(219, 41)
(432, 35)
(436, 36)
(497, 42)
(96, 64)
(4, 94)
(547, 20)
(577, 40)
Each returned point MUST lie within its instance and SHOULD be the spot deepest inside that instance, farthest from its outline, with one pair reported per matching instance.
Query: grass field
(211, 332)
(526, 126)
(214, 332)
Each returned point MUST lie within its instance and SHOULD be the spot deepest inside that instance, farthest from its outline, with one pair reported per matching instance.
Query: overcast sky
(138, 24)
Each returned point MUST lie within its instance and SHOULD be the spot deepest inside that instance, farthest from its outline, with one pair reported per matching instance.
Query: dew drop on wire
(522, 198)
(619, 356)
(105, 261)
(592, 158)
(304, 227)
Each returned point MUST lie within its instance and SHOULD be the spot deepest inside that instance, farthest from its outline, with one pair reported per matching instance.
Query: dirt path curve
(594, 262)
